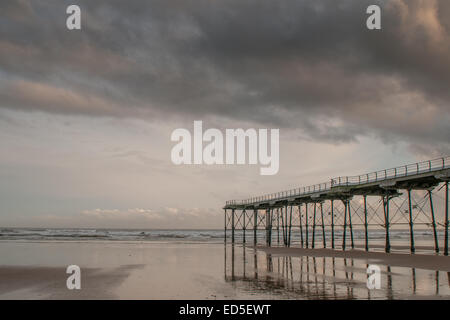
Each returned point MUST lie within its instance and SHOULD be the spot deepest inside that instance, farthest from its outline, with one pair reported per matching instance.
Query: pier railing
(387, 174)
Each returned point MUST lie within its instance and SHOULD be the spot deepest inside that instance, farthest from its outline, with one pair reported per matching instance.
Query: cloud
(148, 214)
(167, 217)
(37, 96)
(139, 218)
(310, 66)
(116, 214)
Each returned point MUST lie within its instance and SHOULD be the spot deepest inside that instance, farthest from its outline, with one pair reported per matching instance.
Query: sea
(424, 236)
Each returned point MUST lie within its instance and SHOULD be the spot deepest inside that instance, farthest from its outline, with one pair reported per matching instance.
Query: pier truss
(327, 215)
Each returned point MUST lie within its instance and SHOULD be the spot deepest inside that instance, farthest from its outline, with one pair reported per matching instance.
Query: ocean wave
(176, 236)
(8, 230)
(53, 235)
(212, 236)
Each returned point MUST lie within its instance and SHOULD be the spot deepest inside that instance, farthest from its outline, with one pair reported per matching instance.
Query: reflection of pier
(327, 214)
(325, 277)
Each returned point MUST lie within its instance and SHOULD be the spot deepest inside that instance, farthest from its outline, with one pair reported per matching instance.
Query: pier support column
(255, 226)
(446, 220)
(301, 224)
(386, 222)
(278, 226)
(268, 227)
(232, 226)
(332, 224)
(366, 225)
(286, 226)
(306, 228)
(244, 213)
(344, 235)
(411, 223)
(433, 221)
(323, 226)
(290, 226)
(314, 227)
(225, 228)
(283, 229)
(350, 224)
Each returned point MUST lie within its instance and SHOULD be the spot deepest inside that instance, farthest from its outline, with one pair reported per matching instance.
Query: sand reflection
(307, 277)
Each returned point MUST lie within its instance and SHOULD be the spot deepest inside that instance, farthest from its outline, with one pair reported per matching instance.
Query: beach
(204, 270)
(116, 270)
(112, 270)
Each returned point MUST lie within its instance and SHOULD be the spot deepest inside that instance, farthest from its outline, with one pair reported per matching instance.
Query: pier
(327, 215)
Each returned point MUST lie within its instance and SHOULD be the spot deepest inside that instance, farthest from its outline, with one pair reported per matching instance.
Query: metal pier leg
(433, 220)
(345, 226)
(290, 227)
(232, 225)
(332, 224)
(301, 226)
(271, 225)
(282, 226)
(270, 211)
(278, 226)
(306, 227)
(286, 226)
(225, 228)
(314, 228)
(255, 226)
(366, 231)
(386, 220)
(323, 226)
(411, 225)
(350, 224)
(244, 213)
(446, 220)
(268, 227)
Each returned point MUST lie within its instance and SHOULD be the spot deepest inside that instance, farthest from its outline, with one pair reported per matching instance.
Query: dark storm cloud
(310, 65)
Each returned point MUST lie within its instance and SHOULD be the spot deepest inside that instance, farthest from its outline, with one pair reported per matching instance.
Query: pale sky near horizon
(86, 115)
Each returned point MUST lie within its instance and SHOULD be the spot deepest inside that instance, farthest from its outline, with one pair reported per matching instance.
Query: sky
(86, 115)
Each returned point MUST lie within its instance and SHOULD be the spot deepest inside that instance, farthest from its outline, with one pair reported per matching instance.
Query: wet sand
(19, 282)
(421, 261)
(116, 270)
(144, 270)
